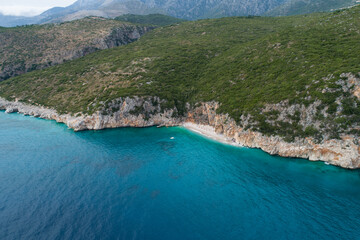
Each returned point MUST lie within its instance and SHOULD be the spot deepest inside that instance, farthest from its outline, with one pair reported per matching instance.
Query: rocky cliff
(145, 112)
(128, 112)
(343, 152)
(29, 48)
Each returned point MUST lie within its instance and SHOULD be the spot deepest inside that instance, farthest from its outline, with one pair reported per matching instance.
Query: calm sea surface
(141, 184)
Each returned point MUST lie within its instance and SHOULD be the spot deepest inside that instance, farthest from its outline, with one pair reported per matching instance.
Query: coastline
(204, 120)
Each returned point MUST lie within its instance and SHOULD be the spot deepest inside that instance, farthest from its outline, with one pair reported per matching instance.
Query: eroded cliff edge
(146, 112)
(51, 45)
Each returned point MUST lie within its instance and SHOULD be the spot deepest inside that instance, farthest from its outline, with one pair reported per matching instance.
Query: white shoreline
(209, 132)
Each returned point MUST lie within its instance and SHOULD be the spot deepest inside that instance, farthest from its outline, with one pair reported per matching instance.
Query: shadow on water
(167, 146)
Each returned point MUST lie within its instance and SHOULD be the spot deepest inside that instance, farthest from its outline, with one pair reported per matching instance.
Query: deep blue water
(140, 184)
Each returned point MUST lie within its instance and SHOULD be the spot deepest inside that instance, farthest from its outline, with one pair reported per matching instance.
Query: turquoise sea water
(140, 184)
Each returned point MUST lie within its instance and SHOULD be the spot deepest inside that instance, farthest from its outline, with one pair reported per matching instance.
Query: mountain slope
(102, 8)
(151, 19)
(28, 48)
(294, 7)
(188, 9)
(293, 80)
(174, 47)
(208, 60)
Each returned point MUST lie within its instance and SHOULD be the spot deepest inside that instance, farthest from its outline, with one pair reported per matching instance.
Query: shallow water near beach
(141, 184)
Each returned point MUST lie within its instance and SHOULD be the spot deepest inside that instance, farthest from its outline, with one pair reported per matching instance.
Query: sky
(30, 7)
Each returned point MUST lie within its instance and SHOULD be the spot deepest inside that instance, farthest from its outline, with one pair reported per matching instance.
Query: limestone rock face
(125, 116)
(343, 152)
(351, 84)
(146, 112)
(11, 110)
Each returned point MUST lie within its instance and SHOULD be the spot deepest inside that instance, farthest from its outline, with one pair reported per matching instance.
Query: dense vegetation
(32, 47)
(151, 19)
(243, 63)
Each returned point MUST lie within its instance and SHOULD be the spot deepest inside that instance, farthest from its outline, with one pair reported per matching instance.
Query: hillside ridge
(289, 79)
(30, 48)
(190, 10)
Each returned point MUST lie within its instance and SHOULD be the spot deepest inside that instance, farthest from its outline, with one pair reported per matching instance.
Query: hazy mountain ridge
(11, 21)
(185, 9)
(293, 7)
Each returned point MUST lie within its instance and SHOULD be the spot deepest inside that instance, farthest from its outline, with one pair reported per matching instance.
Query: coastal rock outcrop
(344, 152)
(127, 114)
(11, 110)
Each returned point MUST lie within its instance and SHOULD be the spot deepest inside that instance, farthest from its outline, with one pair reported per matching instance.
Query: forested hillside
(256, 68)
